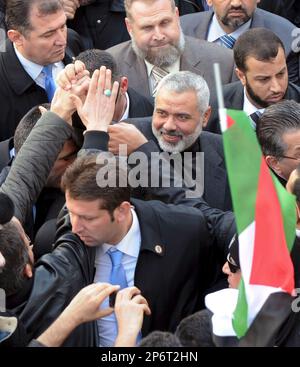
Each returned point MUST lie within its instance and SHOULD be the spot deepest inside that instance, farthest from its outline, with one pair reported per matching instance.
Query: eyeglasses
(286, 156)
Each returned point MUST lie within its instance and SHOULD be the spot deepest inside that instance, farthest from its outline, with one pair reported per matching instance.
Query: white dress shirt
(35, 70)
(126, 112)
(248, 107)
(216, 31)
(130, 246)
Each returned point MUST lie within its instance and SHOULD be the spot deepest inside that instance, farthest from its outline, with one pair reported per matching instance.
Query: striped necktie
(228, 41)
(157, 75)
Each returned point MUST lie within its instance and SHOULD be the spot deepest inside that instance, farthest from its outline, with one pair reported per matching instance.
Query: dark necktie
(228, 41)
(254, 117)
(49, 82)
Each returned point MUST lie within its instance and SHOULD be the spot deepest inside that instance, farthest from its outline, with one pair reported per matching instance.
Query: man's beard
(235, 23)
(161, 57)
(255, 98)
(185, 142)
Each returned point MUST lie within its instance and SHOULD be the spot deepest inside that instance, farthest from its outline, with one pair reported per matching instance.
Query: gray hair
(183, 81)
(278, 119)
(128, 4)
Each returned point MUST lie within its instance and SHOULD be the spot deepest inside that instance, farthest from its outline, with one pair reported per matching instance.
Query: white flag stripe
(256, 294)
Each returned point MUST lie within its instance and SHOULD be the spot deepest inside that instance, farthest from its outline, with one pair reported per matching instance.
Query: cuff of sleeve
(96, 140)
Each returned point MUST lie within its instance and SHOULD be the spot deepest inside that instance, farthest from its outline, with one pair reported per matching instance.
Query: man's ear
(28, 271)
(128, 25)
(124, 84)
(241, 75)
(15, 37)
(273, 163)
(206, 116)
(121, 212)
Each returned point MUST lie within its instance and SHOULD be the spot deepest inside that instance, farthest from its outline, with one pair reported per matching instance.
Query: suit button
(98, 21)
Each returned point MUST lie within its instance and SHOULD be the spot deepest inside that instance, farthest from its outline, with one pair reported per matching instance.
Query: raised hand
(97, 111)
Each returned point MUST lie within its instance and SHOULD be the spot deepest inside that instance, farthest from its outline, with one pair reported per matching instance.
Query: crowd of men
(112, 162)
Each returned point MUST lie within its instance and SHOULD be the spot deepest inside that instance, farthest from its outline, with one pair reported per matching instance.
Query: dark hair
(277, 120)
(196, 330)
(94, 59)
(7, 208)
(18, 12)
(26, 124)
(160, 339)
(97, 177)
(16, 256)
(260, 43)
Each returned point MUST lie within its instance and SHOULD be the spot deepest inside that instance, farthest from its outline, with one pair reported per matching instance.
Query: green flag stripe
(238, 162)
(240, 315)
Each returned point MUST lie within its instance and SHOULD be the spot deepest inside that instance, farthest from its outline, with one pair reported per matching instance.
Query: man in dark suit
(37, 38)
(158, 47)
(181, 108)
(234, 18)
(262, 70)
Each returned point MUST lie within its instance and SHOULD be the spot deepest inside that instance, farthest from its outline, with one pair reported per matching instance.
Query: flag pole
(222, 110)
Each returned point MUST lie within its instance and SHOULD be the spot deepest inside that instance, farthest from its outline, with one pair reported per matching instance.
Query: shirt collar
(248, 107)
(126, 112)
(33, 69)
(131, 243)
(216, 31)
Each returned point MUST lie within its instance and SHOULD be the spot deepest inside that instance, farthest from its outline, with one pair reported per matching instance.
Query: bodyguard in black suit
(40, 47)
(262, 70)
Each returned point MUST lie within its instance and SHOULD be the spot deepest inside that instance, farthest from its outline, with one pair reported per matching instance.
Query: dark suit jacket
(18, 92)
(197, 25)
(139, 106)
(198, 57)
(216, 187)
(234, 99)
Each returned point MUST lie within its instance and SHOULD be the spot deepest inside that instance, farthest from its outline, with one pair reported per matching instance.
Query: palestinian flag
(266, 219)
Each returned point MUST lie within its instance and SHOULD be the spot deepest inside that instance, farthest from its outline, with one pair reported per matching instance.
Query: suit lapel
(188, 60)
(137, 73)
(148, 272)
(213, 168)
(203, 27)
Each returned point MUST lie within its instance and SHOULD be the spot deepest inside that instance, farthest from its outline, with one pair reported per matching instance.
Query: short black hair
(277, 120)
(18, 12)
(260, 43)
(26, 124)
(93, 59)
(196, 330)
(15, 252)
